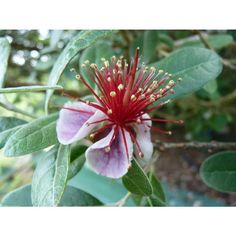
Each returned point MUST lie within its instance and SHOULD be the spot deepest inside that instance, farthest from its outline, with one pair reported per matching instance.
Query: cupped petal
(143, 137)
(72, 124)
(113, 163)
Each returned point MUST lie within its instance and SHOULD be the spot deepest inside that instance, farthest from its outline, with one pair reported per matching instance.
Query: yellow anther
(169, 132)
(119, 63)
(120, 86)
(170, 75)
(103, 59)
(171, 83)
(109, 79)
(92, 136)
(133, 97)
(152, 98)
(106, 63)
(141, 155)
(160, 71)
(167, 87)
(179, 79)
(83, 65)
(138, 121)
(86, 62)
(152, 69)
(109, 111)
(78, 77)
(140, 90)
(94, 66)
(112, 93)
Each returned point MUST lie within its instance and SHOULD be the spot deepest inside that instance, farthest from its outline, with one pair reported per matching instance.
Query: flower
(119, 122)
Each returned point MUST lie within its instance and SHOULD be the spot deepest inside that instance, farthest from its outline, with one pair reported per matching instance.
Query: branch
(224, 61)
(214, 145)
(74, 93)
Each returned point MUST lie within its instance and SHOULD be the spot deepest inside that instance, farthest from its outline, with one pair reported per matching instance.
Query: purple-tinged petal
(112, 163)
(143, 137)
(72, 125)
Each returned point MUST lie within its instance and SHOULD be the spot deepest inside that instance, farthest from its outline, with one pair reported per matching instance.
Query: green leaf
(24, 89)
(136, 181)
(219, 171)
(158, 197)
(81, 41)
(71, 197)
(76, 197)
(147, 43)
(105, 189)
(18, 197)
(8, 126)
(6, 134)
(34, 136)
(4, 54)
(9, 122)
(50, 176)
(196, 67)
(216, 41)
(77, 158)
(93, 55)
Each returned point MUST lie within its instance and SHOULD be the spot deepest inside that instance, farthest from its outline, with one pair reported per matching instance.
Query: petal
(72, 125)
(143, 136)
(115, 163)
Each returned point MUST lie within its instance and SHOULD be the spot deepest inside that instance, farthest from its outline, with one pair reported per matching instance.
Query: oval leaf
(71, 197)
(158, 197)
(36, 135)
(76, 197)
(136, 181)
(81, 41)
(49, 180)
(196, 67)
(10, 122)
(219, 171)
(18, 197)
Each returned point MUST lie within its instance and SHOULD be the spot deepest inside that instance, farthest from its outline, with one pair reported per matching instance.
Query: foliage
(35, 67)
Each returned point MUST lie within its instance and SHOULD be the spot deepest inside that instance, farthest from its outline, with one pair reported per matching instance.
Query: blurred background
(209, 114)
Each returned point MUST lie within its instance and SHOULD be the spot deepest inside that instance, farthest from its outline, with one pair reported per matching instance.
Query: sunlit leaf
(34, 136)
(81, 41)
(50, 176)
(196, 67)
(21, 197)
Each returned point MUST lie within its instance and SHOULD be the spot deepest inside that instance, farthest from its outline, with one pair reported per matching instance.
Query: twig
(75, 93)
(10, 107)
(214, 145)
(224, 61)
